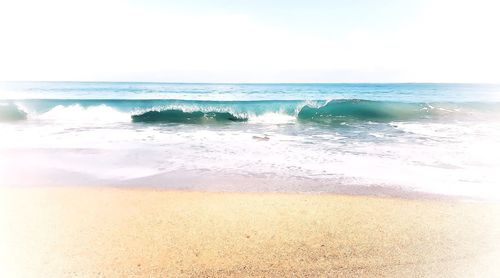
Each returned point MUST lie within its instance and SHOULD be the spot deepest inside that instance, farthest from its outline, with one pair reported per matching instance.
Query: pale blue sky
(250, 41)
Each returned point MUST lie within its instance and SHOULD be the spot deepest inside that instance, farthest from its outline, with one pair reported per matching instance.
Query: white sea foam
(272, 118)
(91, 115)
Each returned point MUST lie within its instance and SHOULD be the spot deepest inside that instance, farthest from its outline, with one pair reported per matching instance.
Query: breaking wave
(254, 112)
(366, 110)
(179, 116)
(10, 112)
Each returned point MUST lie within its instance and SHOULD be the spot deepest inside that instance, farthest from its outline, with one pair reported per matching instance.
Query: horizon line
(244, 83)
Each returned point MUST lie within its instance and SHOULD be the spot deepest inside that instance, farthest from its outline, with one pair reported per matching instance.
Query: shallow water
(433, 138)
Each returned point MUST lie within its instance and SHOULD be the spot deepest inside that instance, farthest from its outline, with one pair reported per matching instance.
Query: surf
(365, 110)
(11, 113)
(179, 116)
(332, 112)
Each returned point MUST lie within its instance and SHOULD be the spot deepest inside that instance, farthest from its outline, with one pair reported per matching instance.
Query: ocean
(380, 139)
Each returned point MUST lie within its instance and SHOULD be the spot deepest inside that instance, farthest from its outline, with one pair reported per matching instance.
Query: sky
(250, 41)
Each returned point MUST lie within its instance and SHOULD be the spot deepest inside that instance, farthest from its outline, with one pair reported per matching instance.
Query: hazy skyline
(250, 41)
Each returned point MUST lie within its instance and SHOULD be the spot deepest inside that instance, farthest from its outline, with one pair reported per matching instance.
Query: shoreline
(367, 191)
(141, 232)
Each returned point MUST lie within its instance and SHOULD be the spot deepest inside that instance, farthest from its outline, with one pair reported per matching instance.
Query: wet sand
(117, 232)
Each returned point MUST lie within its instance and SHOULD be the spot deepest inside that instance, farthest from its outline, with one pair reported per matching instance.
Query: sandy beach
(113, 232)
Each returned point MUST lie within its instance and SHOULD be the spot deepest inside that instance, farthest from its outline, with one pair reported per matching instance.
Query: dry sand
(111, 232)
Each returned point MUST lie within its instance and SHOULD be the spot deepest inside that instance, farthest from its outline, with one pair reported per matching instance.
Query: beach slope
(112, 232)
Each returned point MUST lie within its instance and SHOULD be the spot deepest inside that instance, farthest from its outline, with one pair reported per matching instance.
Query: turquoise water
(385, 92)
(320, 111)
(431, 138)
